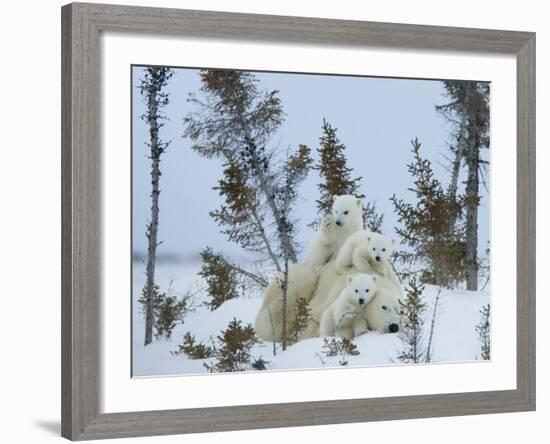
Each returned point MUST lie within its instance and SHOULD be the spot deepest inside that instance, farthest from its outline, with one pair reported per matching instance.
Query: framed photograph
(278, 221)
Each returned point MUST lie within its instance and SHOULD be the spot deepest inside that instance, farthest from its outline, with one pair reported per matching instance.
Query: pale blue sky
(376, 119)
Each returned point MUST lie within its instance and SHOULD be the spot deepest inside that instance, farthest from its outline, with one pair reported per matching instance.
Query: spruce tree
(412, 333)
(220, 277)
(303, 317)
(483, 330)
(342, 347)
(337, 178)
(230, 351)
(434, 251)
(233, 349)
(193, 349)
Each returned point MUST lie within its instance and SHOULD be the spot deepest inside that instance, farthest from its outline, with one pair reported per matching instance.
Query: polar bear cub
(345, 219)
(367, 252)
(346, 316)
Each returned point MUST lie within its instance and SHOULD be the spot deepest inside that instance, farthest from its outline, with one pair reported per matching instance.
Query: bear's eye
(383, 249)
(373, 248)
(384, 307)
(356, 291)
(367, 290)
(346, 212)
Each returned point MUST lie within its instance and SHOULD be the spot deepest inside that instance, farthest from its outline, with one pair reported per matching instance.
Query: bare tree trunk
(265, 240)
(152, 235)
(428, 358)
(285, 305)
(472, 204)
(151, 87)
(453, 188)
(269, 193)
(272, 332)
(415, 346)
(459, 154)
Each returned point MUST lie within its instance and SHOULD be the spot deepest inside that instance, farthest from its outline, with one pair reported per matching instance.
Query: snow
(454, 340)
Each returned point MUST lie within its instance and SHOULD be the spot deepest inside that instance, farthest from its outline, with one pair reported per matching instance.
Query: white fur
(346, 218)
(320, 284)
(383, 310)
(302, 281)
(346, 317)
(330, 285)
(368, 252)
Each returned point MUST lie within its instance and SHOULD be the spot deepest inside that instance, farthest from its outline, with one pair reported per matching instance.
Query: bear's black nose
(377, 258)
(361, 301)
(393, 328)
(338, 223)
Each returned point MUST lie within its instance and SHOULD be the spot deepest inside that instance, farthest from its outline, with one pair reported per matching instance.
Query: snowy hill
(454, 340)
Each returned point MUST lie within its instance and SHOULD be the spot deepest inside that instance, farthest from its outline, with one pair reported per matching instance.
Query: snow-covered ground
(455, 338)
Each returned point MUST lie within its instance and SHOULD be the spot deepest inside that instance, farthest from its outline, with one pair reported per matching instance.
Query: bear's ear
(393, 241)
(368, 239)
(350, 278)
(373, 278)
(359, 202)
(334, 198)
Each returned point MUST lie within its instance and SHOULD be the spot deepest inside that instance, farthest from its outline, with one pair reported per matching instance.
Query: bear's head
(383, 312)
(347, 210)
(380, 246)
(361, 288)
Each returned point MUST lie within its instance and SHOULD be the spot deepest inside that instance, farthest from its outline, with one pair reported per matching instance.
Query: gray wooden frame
(81, 167)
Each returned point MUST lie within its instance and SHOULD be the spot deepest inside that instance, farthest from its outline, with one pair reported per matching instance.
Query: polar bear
(346, 218)
(383, 312)
(346, 317)
(368, 252)
(302, 281)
